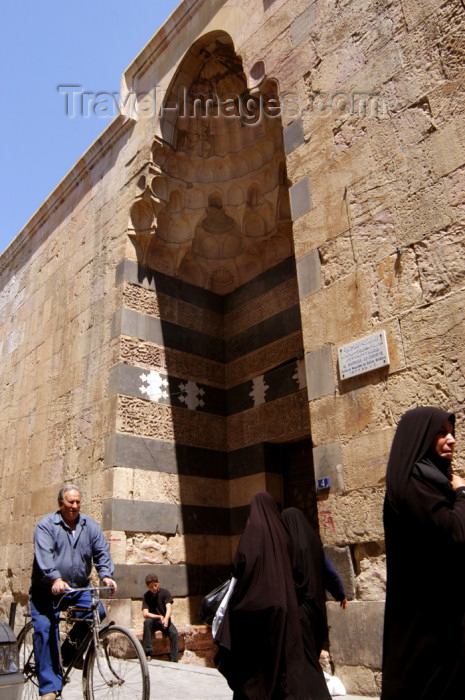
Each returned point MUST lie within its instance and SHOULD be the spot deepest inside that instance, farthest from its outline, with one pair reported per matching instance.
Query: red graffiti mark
(326, 519)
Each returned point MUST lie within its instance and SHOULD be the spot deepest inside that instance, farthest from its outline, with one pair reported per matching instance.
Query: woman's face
(444, 442)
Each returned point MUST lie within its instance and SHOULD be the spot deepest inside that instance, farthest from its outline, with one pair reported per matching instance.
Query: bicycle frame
(92, 636)
(106, 668)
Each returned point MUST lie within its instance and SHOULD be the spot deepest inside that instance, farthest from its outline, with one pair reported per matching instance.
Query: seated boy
(156, 609)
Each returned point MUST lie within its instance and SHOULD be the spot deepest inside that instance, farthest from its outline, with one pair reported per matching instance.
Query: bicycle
(114, 663)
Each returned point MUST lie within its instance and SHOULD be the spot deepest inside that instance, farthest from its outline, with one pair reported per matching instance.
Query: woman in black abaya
(311, 577)
(424, 522)
(260, 645)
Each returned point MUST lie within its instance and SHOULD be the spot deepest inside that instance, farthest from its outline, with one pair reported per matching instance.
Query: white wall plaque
(363, 355)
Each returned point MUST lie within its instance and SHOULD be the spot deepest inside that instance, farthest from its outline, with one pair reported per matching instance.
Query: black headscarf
(424, 523)
(261, 650)
(412, 444)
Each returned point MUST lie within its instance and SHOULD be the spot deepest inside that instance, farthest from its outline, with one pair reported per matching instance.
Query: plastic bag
(335, 685)
(210, 604)
(218, 619)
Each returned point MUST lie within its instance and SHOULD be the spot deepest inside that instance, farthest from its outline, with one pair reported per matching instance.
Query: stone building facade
(286, 178)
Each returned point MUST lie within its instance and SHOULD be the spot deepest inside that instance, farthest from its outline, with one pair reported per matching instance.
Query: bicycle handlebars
(93, 590)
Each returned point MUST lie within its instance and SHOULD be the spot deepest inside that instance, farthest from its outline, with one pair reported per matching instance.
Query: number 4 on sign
(324, 483)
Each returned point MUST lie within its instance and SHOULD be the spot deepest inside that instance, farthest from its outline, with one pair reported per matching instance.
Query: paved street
(177, 681)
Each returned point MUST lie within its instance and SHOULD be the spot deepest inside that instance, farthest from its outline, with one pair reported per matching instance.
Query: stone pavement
(176, 682)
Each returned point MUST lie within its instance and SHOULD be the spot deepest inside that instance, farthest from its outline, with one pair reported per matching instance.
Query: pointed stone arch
(216, 137)
(217, 256)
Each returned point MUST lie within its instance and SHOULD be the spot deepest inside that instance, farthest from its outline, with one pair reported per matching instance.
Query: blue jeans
(45, 614)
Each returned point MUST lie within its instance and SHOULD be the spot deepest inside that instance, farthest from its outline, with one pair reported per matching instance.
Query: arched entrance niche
(215, 305)
(217, 190)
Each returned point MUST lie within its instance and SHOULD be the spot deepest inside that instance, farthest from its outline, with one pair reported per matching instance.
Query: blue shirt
(61, 553)
(332, 581)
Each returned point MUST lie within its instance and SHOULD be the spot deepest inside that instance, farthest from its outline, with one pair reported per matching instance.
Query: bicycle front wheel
(118, 669)
(27, 664)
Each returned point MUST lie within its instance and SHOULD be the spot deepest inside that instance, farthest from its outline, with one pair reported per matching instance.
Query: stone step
(196, 645)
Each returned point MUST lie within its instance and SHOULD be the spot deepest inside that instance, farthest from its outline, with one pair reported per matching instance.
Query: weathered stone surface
(356, 633)
(325, 221)
(260, 360)
(367, 550)
(162, 306)
(380, 69)
(353, 296)
(293, 135)
(319, 139)
(371, 581)
(196, 645)
(341, 559)
(309, 273)
(166, 518)
(355, 412)
(181, 580)
(337, 258)
(327, 462)
(120, 611)
(158, 549)
(360, 680)
(398, 283)
(151, 329)
(365, 458)
(138, 417)
(373, 235)
(155, 549)
(419, 386)
(432, 331)
(117, 543)
(320, 374)
(445, 99)
(240, 489)
(352, 517)
(270, 422)
(186, 610)
(439, 260)
(455, 189)
(420, 214)
(153, 356)
(303, 24)
(300, 198)
(331, 184)
(417, 11)
(270, 302)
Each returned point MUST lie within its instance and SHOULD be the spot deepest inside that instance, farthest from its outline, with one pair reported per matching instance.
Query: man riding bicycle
(66, 544)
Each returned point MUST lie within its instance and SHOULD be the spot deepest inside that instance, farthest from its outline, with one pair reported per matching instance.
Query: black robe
(308, 567)
(260, 645)
(424, 521)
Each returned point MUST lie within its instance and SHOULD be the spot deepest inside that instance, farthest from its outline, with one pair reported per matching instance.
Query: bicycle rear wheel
(27, 664)
(118, 670)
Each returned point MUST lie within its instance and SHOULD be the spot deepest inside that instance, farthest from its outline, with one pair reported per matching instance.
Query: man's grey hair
(64, 489)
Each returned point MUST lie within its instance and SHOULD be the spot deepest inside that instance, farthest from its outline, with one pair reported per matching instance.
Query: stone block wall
(378, 237)
(56, 298)
(204, 383)
(162, 380)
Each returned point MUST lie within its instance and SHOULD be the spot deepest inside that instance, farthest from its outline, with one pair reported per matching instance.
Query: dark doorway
(299, 478)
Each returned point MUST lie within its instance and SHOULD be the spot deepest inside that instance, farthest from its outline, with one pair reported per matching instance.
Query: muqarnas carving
(211, 205)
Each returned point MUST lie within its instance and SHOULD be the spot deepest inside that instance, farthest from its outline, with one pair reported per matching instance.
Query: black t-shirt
(156, 603)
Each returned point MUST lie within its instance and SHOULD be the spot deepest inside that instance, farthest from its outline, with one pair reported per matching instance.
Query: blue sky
(51, 43)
